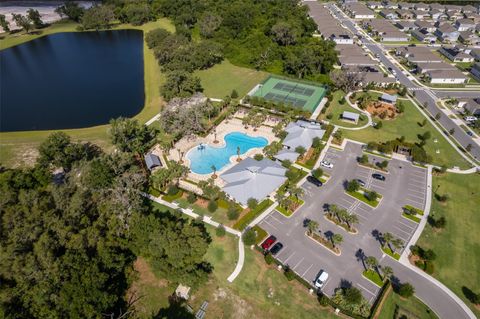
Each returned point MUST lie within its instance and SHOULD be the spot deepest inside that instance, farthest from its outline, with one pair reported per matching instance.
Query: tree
(383, 164)
(469, 147)
(371, 195)
(22, 22)
(180, 84)
(296, 191)
(352, 295)
(363, 159)
(351, 220)
(347, 81)
(371, 262)
(387, 238)
(337, 239)
(234, 94)
(35, 17)
(214, 170)
(300, 150)
(312, 226)
(353, 186)
(136, 14)
(71, 10)
(316, 142)
(252, 203)
(212, 206)
(4, 24)
(423, 123)
(406, 290)
(208, 24)
(397, 243)
(249, 237)
(317, 173)
(97, 17)
(284, 34)
(378, 125)
(130, 136)
(451, 131)
(387, 272)
(233, 212)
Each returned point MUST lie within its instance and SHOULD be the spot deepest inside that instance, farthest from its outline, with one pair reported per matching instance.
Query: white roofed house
(389, 14)
(302, 133)
(253, 179)
(391, 99)
(350, 116)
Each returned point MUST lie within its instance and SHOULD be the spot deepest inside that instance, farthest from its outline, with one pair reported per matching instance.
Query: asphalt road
(423, 95)
(404, 184)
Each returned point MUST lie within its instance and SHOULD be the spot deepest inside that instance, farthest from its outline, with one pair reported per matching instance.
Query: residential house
(437, 7)
(404, 14)
(469, 38)
(418, 14)
(446, 77)
(386, 31)
(406, 25)
(390, 5)
(378, 78)
(475, 70)
(374, 5)
(451, 7)
(406, 5)
(465, 24)
(456, 55)
(421, 6)
(253, 179)
(437, 15)
(471, 105)
(447, 33)
(425, 25)
(328, 26)
(476, 54)
(286, 154)
(423, 67)
(454, 15)
(418, 54)
(388, 14)
(469, 9)
(424, 36)
(359, 11)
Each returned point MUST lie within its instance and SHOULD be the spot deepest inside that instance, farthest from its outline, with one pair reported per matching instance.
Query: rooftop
(302, 133)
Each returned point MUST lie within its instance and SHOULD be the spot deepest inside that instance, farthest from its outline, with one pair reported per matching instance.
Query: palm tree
(371, 262)
(215, 136)
(387, 272)
(397, 243)
(214, 169)
(351, 219)
(312, 226)
(332, 210)
(337, 239)
(387, 239)
(296, 191)
(342, 215)
(238, 154)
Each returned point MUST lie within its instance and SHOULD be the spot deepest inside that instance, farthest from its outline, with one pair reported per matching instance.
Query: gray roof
(287, 155)
(253, 179)
(152, 160)
(350, 116)
(302, 133)
(389, 98)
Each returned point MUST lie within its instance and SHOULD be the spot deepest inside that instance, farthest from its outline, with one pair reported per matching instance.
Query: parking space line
(415, 191)
(276, 219)
(414, 201)
(282, 251)
(267, 222)
(307, 270)
(373, 294)
(421, 197)
(404, 231)
(415, 183)
(298, 263)
(286, 260)
(409, 226)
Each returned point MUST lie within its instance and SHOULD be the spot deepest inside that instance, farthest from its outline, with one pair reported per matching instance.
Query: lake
(71, 80)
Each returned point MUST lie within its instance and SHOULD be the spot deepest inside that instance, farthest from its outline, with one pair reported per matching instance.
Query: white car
(326, 164)
(321, 279)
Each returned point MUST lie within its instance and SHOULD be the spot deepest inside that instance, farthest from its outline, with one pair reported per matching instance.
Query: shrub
(363, 159)
(329, 116)
(212, 206)
(406, 290)
(172, 190)
(234, 94)
(441, 198)
(220, 231)
(191, 198)
(252, 203)
(233, 213)
(353, 186)
(249, 237)
(323, 300)
(342, 100)
(383, 164)
(429, 267)
(289, 273)
(378, 125)
(318, 172)
(371, 195)
(269, 259)
(258, 157)
(286, 163)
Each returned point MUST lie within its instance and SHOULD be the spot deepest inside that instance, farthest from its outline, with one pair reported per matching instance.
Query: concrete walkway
(318, 109)
(369, 117)
(208, 220)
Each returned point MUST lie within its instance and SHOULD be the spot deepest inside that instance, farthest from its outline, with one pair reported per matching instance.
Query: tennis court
(298, 94)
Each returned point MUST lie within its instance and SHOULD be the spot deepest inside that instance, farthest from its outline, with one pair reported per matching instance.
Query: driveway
(405, 184)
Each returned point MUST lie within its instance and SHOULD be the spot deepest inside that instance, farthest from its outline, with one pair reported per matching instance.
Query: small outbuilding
(152, 161)
(182, 292)
(392, 99)
(350, 116)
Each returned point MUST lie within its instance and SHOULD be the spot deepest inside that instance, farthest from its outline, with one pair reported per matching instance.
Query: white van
(321, 279)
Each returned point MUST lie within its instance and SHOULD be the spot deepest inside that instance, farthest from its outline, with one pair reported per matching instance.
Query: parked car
(380, 177)
(361, 183)
(470, 118)
(276, 248)
(315, 181)
(326, 164)
(269, 242)
(321, 279)
(469, 133)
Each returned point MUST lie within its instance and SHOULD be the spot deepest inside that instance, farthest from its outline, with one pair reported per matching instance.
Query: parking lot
(405, 184)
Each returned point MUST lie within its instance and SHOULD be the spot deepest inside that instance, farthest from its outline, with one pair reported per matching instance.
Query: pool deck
(227, 126)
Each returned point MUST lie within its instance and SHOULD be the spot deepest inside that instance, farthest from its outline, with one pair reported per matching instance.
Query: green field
(336, 109)
(299, 94)
(19, 148)
(458, 245)
(407, 124)
(221, 79)
(411, 308)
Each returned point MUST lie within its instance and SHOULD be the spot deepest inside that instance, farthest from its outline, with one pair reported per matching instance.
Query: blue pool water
(202, 157)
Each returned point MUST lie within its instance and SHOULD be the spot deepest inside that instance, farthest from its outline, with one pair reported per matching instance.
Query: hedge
(251, 215)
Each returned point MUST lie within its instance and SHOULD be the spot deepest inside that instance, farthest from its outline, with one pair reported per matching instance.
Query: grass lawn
(410, 308)
(407, 124)
(364, 199)
(336, 109)
(411, 217)
(221, 79)
(252, 214)
(373, 276)
(20, 148)
(458, 245)
(389, 252)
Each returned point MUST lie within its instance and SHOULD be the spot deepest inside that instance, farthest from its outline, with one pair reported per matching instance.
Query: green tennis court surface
(290, 92)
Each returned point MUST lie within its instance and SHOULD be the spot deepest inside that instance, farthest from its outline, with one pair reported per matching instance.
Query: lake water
(71, 80)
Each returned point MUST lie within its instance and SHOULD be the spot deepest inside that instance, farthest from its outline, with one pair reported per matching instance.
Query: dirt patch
(202, 202)
(145, 274)
(412, 259)
(382, 110)
(307, 155)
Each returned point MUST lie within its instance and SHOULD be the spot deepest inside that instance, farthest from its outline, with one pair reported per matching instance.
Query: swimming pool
(204, 156)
